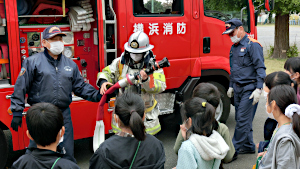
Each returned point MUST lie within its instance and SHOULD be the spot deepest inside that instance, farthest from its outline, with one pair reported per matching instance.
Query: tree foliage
(224, 5)
(283, 7)
(286, 6)
(158, 7)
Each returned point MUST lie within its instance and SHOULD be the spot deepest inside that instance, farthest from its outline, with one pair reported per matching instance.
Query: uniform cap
(231, 25)
(52, 31)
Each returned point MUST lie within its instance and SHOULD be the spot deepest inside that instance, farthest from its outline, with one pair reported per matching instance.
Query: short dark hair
(44, 121)
(130, 108)
(209, 92)
(202, 115)
(292, 65)
(279, 78)
(284, 95)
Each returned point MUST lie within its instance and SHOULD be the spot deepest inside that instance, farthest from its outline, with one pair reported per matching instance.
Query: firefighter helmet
(138, 43)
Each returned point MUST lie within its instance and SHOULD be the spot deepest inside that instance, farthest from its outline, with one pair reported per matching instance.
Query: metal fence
(294, 22)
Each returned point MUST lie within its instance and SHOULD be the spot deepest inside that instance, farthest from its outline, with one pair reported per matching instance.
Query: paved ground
(83, 147)
(265, 36)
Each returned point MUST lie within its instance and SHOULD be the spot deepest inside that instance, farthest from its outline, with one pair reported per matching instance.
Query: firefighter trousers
(244, 115)
(67, 146)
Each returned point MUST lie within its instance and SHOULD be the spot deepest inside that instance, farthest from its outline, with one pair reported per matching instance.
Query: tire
(223, 110)
(3, 149)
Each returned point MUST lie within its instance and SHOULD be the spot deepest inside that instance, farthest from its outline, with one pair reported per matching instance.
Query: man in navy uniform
(246, 82)
(51, 77)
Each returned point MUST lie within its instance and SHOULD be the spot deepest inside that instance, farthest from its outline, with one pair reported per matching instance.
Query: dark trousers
(244, 115)
(67, 146)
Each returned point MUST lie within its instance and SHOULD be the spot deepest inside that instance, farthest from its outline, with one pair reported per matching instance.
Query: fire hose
(99, 134)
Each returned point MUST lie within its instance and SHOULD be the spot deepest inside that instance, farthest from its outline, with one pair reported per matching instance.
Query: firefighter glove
(16, 122)
(255, 96)
(230, 92)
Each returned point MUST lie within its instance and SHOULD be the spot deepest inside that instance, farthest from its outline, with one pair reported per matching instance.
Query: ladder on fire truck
(109, 20)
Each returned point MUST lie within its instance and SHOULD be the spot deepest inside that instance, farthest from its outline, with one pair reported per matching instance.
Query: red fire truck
(187, 32)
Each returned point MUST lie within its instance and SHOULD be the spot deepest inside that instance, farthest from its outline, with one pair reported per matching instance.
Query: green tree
(282, 10)
(225, 5)
(157, 6)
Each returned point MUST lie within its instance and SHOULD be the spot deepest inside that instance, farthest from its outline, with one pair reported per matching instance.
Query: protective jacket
(247, 63)
(155, 84)
(45, 79)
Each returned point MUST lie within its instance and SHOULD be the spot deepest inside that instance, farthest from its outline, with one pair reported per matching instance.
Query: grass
(274, 65)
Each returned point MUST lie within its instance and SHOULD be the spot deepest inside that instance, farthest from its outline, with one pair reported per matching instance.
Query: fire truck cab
(187, 32)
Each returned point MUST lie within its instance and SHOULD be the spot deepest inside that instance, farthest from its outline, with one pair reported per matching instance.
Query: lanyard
(135, 154)
(275, 133)
(55, 163)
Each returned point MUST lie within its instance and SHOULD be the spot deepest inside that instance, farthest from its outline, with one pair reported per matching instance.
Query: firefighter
(51, 77)
(134, 59)
(246, 82)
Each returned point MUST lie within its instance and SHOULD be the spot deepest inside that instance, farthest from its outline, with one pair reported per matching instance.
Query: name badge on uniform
(243, 49)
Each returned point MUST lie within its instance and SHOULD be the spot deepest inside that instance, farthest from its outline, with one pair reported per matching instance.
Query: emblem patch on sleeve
(23, 70)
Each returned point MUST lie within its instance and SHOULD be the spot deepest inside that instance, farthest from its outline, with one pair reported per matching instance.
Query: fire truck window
(157, 7)
(224, 10)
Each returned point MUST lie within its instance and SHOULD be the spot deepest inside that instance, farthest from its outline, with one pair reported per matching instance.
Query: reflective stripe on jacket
(155, 84)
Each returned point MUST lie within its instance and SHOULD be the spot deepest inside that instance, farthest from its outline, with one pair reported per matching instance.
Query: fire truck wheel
(4, 149)
(223, 110)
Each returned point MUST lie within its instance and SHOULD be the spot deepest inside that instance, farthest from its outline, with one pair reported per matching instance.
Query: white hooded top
(202, 152)
(210, 147)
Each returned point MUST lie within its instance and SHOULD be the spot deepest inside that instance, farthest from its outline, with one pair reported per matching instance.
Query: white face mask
(56, 47)
(62, 138)
(270, 115)
(235, 39)
(136, 56)
(266, 95)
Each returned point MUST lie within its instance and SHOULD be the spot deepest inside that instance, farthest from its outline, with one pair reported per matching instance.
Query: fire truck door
(168, 25)
(195, 21)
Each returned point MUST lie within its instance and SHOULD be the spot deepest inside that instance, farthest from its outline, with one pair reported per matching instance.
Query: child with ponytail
(284, 148)
(204, 147)
(132, 147)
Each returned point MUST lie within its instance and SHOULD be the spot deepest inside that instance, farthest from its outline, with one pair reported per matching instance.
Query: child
(283, 150)
(272, 80)
(210, 93)
(131, 147)
(204, 147)
(45, 128)
(292, 68)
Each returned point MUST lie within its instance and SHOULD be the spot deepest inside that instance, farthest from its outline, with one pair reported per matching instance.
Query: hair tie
(132, 111)
(203, 104)
(291, 109)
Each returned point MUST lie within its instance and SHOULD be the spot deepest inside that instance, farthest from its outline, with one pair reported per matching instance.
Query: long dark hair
(201, 113)
(279, 78)
(285, 95)
(210, 93)
(130, 109)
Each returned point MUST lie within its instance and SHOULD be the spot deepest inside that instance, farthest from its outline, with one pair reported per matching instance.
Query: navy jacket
(39, 158)
(247, 63)
(45, 79)
(117, 153)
